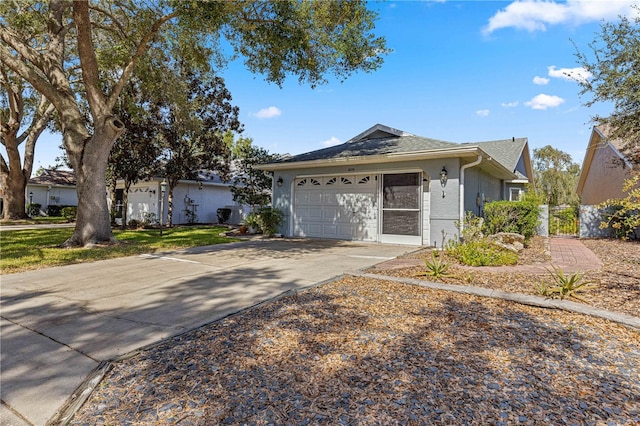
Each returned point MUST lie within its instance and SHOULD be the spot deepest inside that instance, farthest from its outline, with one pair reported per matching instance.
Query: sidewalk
(567, 253)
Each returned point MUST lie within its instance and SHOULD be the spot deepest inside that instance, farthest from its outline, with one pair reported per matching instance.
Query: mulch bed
(617, 283)
(361, 351)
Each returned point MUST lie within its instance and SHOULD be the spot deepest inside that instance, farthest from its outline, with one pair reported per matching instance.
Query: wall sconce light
(443, 177)
(280, 181)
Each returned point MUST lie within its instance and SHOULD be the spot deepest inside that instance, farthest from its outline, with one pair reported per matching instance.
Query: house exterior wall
(439, 218)
(606, 176)
(54, 195)
(144, 197)
(480, 188)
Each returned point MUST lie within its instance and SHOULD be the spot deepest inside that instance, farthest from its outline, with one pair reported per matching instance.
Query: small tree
(623, 214)
(250, 185)
(193, 131)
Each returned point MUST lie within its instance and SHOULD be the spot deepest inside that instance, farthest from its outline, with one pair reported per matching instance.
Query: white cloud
(270, 112)
(572, 74)
(331, 142)
(536, 15)
(541, 81)
(543, 101)
(482, 113)
(509, 104)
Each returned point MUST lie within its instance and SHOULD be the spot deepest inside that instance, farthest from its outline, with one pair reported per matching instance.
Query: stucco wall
(144, 197)
(480, 188)
(606, 176)
(590, 219)
(57, 195)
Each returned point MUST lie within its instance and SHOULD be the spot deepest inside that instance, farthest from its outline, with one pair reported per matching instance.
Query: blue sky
(460, 71)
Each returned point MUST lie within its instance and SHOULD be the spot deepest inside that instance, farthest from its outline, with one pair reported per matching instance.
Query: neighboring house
(389, 186)
(194, 201)
(52, 187)
(605, 167)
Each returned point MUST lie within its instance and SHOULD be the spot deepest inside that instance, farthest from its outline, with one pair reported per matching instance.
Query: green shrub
(34, 209)
(623, 215)
(54, 210)
(520, 217)
(481, 253)
(472, 229)
(134, 224)
(223, 215)
(69, 213)
(269, 219)
(149, 220)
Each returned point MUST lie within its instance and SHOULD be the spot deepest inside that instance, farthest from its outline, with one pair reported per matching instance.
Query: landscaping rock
(508, 240)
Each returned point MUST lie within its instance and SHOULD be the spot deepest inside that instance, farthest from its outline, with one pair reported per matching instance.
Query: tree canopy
(81, 54)
(250, 186)
(614, 62)
(556, 175)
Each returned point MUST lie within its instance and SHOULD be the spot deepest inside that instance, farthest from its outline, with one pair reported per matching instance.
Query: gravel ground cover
(617, 283)
(371, 352)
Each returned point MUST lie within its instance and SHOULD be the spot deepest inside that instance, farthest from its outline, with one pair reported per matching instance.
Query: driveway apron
(58, 324)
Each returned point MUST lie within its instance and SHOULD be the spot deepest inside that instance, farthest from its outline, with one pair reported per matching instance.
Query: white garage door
(343, 207)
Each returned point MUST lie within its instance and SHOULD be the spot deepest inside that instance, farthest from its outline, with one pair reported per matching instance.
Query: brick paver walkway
(567, 253)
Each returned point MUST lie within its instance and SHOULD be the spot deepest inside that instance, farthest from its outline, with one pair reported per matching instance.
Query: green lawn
(39, 248)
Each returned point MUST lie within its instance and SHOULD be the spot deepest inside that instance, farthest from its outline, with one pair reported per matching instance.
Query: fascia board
(370, 159)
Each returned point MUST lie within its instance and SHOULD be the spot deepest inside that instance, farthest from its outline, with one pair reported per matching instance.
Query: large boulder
(508, 240)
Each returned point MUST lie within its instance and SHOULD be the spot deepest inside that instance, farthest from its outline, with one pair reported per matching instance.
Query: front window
(515, 194)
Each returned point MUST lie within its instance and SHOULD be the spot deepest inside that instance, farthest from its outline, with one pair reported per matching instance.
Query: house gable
(604, 169)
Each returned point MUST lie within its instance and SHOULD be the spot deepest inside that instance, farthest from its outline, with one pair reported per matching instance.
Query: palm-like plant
(566, 285)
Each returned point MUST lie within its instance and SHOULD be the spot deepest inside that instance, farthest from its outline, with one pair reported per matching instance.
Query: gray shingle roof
(506, 151)
(54, 177)
(374, 146)
(381, 140)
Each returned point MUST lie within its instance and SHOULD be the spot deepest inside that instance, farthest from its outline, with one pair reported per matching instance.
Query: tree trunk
(15, 180)
(170, 208)
(112, 211)
(125, 203)
(89, 159)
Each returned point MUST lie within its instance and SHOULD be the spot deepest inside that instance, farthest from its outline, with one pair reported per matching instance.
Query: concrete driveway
(59, 324)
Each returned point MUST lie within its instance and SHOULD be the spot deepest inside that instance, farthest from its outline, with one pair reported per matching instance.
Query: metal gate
(563, 220)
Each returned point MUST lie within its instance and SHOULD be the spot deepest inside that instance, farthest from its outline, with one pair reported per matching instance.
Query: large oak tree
(84, 52)
(24, 115)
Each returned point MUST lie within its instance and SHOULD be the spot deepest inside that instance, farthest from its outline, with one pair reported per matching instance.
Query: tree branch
(142, 47)
(88, 61)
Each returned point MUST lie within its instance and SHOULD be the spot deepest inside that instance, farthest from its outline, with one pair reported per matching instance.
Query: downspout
(462, 169)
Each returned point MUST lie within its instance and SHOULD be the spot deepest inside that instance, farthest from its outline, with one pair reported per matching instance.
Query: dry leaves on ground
(361, 351)
(617, 284)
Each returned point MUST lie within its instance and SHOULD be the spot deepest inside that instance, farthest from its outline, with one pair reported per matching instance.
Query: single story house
(194, 201)
(605, 167)
(52, 187)
(389, 186)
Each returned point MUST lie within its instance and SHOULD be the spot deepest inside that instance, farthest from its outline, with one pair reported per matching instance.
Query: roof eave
(370, 159)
